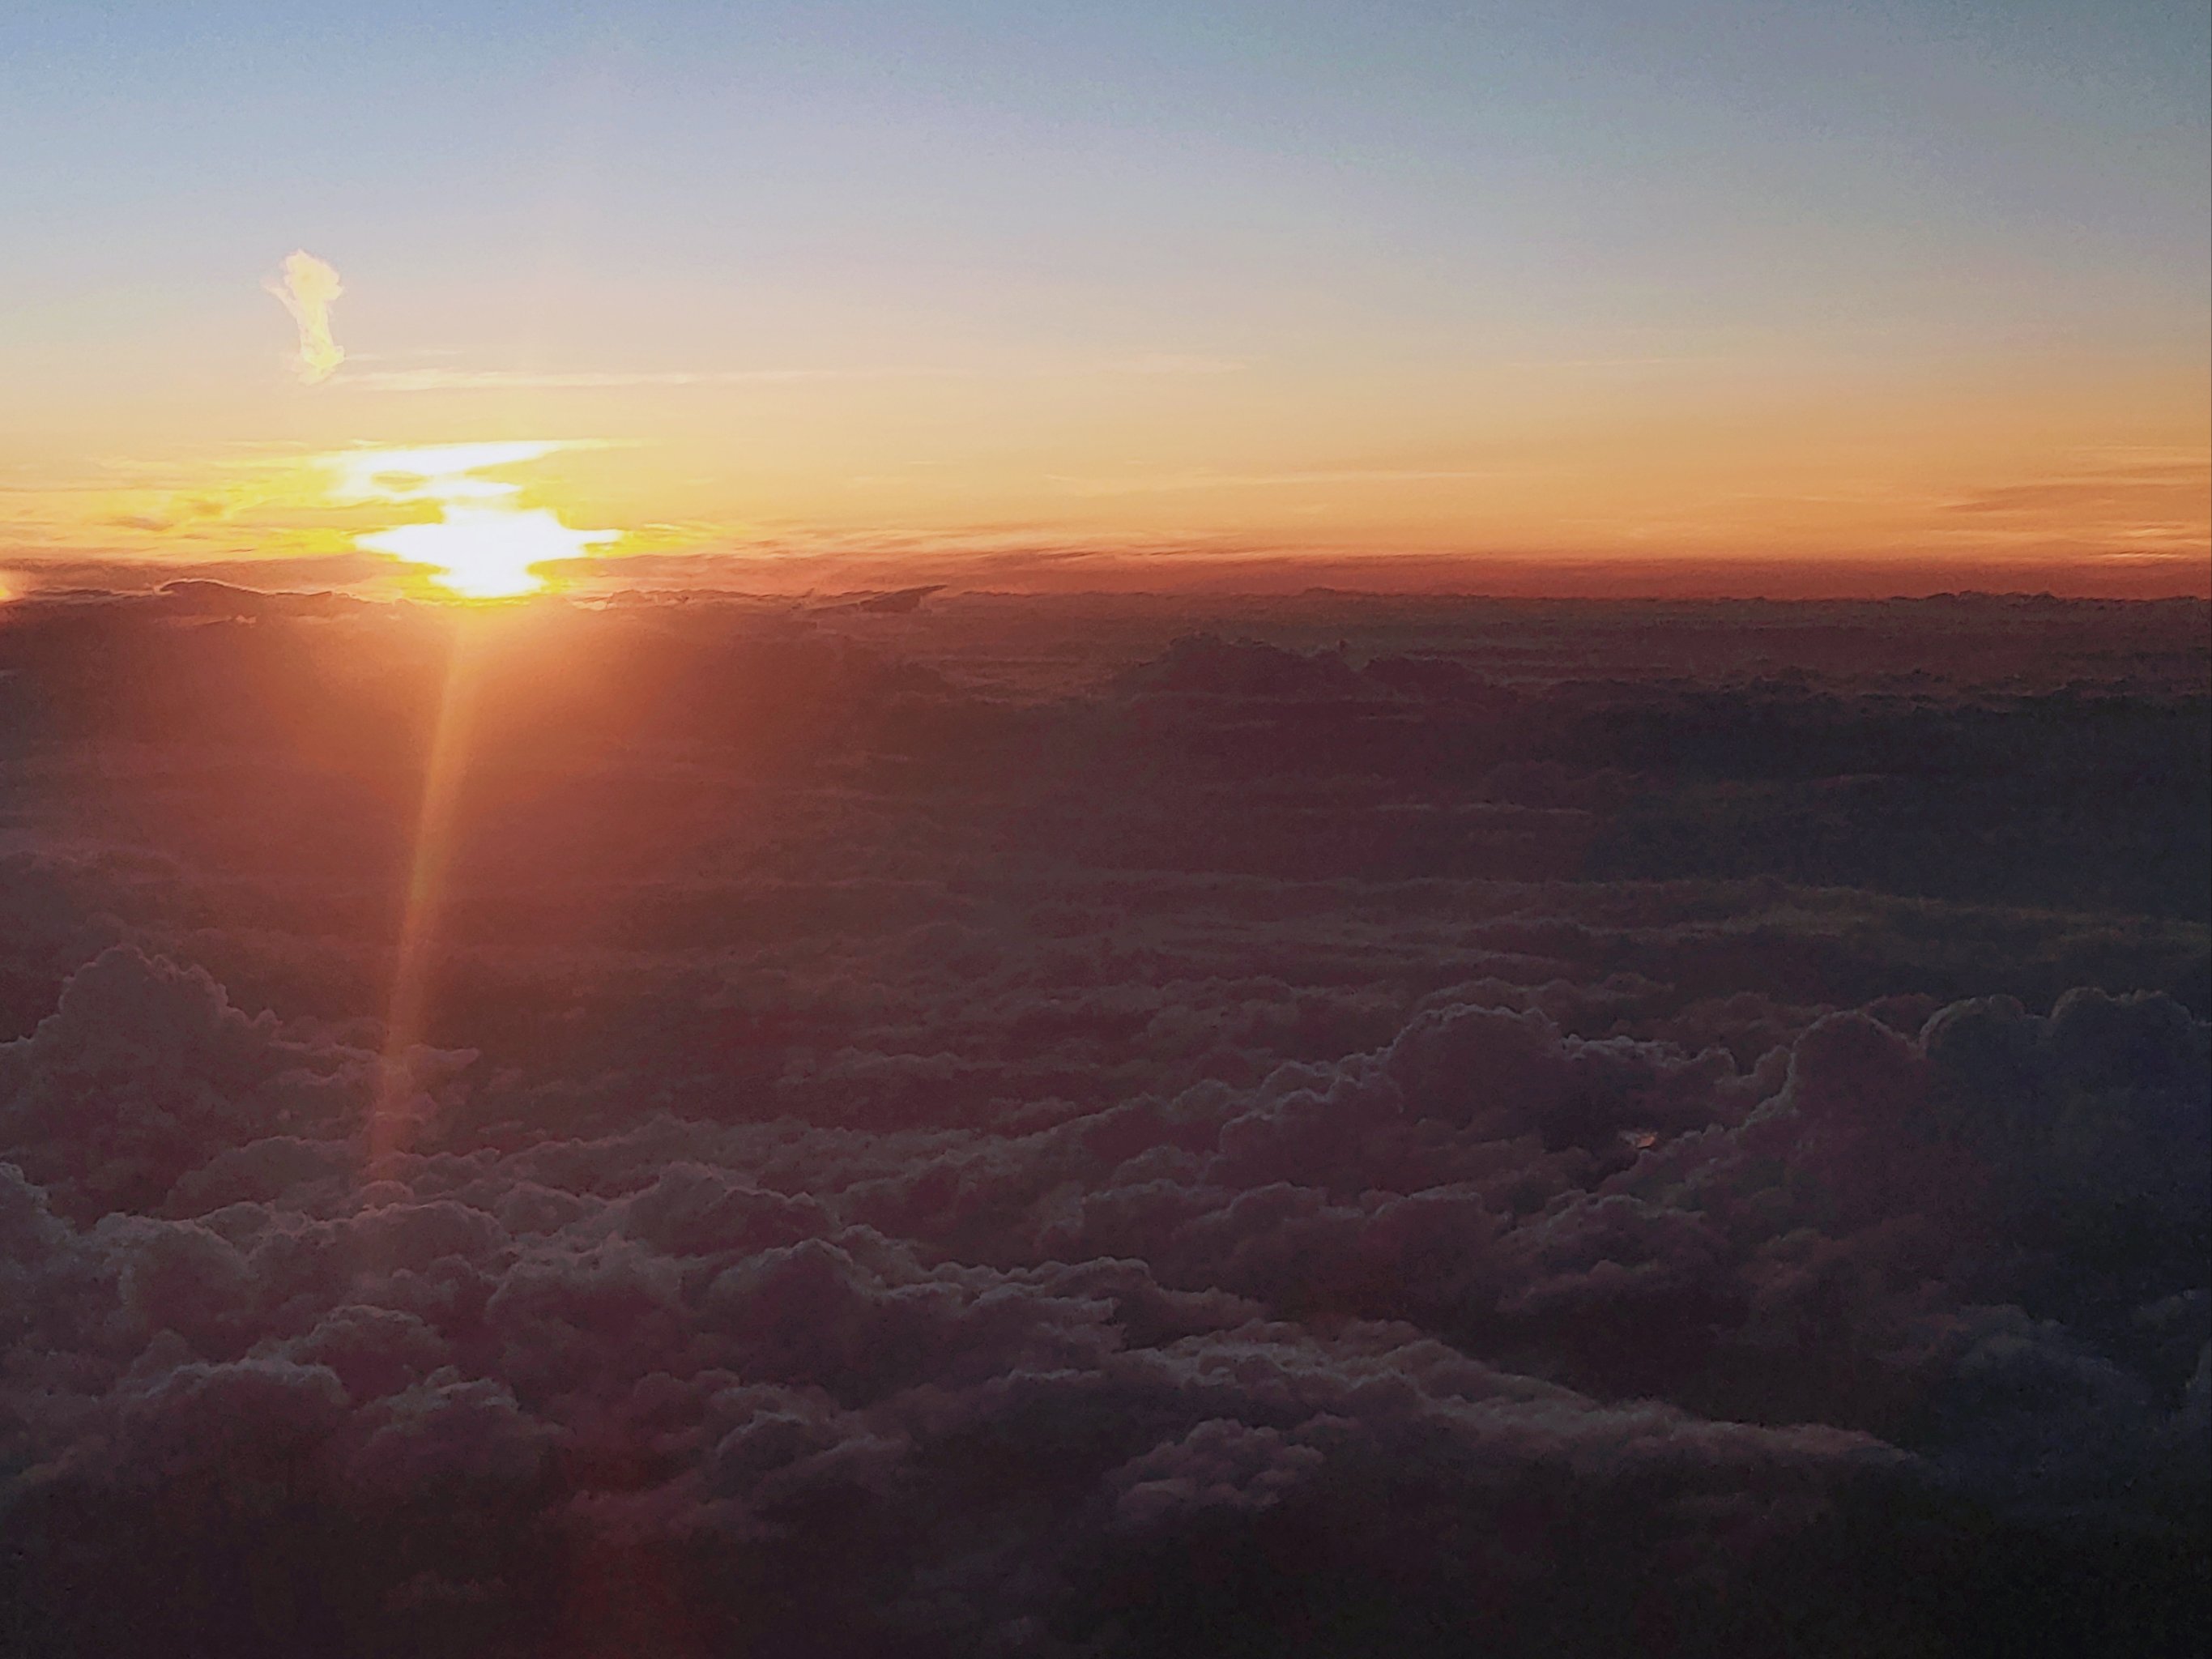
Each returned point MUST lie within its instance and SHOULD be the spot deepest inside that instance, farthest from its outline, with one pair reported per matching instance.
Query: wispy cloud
(306, 286)
(2137, 505)
(1169, 362)
(514, 380)
(435, 472)
(1162, 483)
(2117, 487)
(501, 380)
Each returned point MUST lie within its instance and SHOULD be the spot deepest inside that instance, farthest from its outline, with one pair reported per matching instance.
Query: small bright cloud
(306, 287)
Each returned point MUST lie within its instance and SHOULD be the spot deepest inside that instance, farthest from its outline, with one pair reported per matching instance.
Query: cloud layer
(1203, 1157)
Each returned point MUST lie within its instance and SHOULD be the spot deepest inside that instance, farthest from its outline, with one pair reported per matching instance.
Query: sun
(483, 545)
(487, 552)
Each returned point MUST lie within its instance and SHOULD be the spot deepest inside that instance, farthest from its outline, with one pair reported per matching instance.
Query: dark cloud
(307, 576)
(914, 1163)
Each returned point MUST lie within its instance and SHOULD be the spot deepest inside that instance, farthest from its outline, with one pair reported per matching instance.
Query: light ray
(394, 1114)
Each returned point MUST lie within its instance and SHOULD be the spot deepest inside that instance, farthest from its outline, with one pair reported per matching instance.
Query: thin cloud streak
(1166, 482)
(496, 379)
(503, 379)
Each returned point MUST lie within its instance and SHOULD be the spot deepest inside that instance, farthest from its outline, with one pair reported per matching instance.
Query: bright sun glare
(483, 545)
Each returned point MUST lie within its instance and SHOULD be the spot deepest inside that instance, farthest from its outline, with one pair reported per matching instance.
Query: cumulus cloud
(868, 1222)
(307, 287)
(693, 1336)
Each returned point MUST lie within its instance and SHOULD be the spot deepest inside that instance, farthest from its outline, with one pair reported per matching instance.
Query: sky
(783, 294)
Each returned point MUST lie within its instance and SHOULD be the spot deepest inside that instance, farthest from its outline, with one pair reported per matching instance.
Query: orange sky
(1533, 317)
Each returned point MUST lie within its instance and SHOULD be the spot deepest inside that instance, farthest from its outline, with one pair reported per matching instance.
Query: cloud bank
(958, 1130)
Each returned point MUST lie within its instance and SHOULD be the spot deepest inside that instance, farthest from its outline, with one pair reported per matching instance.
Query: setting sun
(483, 545)
(487, 552)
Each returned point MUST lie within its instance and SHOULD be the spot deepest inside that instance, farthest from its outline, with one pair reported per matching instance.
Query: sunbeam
(395, 1113)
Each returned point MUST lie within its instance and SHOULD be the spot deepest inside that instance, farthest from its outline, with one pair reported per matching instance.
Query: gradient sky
(1636, 283)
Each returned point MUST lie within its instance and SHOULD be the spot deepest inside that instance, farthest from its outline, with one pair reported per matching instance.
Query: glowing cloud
(483, 545)
(436, 473)
(306, 288)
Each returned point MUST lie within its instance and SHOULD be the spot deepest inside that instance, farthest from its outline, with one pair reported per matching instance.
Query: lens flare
(483, 543)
